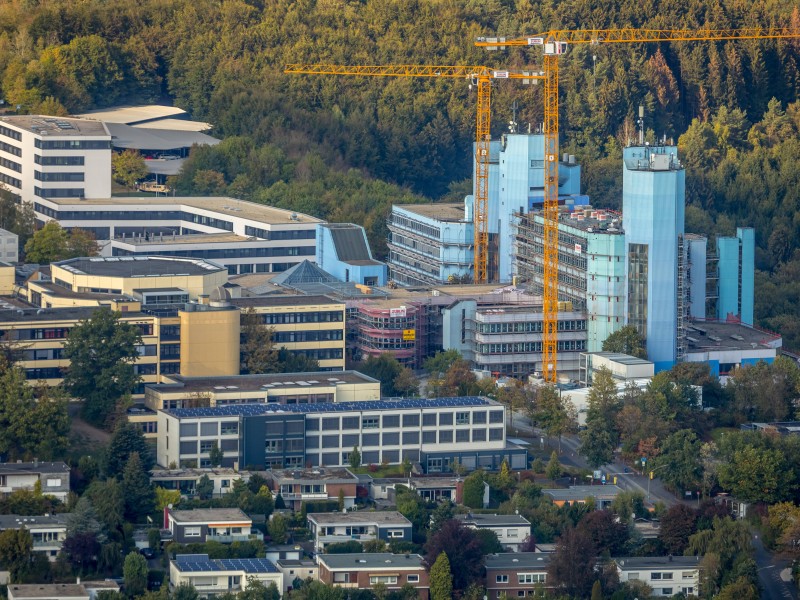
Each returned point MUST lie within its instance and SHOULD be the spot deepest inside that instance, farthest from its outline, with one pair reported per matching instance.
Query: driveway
(770, 568)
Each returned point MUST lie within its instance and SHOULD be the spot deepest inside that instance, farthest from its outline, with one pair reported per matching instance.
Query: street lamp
(650, 478)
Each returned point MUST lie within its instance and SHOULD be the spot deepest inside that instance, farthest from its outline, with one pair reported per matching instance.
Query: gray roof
(623, 359)
(391, 517)
(283, 300)
(657, 562)
(48, 590)
(29, 522)
(371, 560)
(326, 474)
(262, 382)
(194, 563)
(29, 467)
(206, 515)
(303, 272)
(581, 492)
(140, 138)
(481, 520)
(518, 560)
(139, 266)
(57, 126)
(350, 243)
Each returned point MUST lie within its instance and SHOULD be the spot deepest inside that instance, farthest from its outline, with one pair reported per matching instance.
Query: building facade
(517, 574)
(736, 263)
(186, 480)
(213, 577)
(512, 531)
(434, 432)
(47, 532)
(591, 265)
(224, 525)
(245, 237)
(365, 571)
(53, 477)
(653, 202)
(45, 157)
(308, 485)
(360, 526)
(344, 252)
(665, 575)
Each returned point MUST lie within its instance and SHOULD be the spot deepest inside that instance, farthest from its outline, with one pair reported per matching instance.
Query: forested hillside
(346, 148)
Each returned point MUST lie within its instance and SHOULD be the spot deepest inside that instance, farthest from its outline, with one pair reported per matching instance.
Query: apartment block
(307, 485)
(666, 575)
(45, 157)
(361, 526)
(310, 325)
(434, 432)
(516, 575)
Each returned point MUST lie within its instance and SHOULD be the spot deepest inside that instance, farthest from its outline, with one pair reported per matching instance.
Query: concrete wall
(210, 342)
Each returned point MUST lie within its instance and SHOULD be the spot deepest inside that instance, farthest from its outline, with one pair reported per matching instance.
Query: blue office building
(653, 202)
(736, 256)
(343, 251)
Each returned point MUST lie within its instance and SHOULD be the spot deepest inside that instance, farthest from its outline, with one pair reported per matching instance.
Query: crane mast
(554, 43)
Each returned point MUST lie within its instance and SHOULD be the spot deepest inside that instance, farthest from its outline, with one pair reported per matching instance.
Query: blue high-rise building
(653, 201)
(736, 256)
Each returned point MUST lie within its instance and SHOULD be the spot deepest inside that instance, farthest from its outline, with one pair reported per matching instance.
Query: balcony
(302, 496)
(47, 544)
(337, 539)
(232, 537)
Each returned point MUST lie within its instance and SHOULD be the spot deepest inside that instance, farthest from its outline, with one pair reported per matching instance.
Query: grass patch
(717, 433)
(380, 470)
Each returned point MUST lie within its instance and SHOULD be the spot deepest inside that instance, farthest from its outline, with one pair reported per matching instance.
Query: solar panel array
(254, 410)
(198, 563)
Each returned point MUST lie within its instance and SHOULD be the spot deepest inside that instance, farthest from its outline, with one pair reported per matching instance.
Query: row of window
(58, 176)
(12, 181)
(58, 161)
(10, 133)
(528, 347)
(396, 438)
(530, 326)
(325, 335)
(209, 428)
(289, 234)
(132, 215)
(320, 316)
(524, 578)
(59, 192)
(10, 149)
(402, 221)
(72, 144)
(281, 446)
(430, 419)
(10, 164)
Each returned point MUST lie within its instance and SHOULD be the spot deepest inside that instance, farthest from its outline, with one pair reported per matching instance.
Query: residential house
(602, 495)
(666, 575)
(219, 576)
(330, 528)
(431, 489)
(511, 530)
(201, 525)
(52, 476)
(284, 552)
(516, 574)
(186, 480)
(48, 532)
(293, 569)
(365, 571)
(307, 485)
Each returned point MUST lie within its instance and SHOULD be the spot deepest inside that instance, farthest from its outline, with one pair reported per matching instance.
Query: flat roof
(48, 590)
(205, 515)
(174, 125)
(263, 382)
(29, 467)
(145, 138)
(657, 562)
(57, 126)
(53, 289)
(232, 207)
(196, 473)
(254, 410)
(718, 335)
(198, 563)
(515, 560)
(139, 266)
(132, 114)
(623, 359)
(326, 474)
(23, 521)
(598, 220)
(192, 238)
(484, 520)
(581, 492)
(283, 300)
(372, 560)
(440, 211)
(71, 313)
(389, 517)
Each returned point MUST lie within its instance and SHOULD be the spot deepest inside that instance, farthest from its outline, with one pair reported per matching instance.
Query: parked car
(148, 553)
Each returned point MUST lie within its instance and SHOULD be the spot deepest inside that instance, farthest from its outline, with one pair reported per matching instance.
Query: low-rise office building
(307, 485)
(515, 575)
(244, 237)
(601, 495)
(343, 251)
(512, 530)
(361, 526)
(177, 391)
(666, 575)
(211, 577)
(435, 432)
(53, 477)
(201, 525)
(623, 367)
(185, 480)
(48, 532)
(365, 571)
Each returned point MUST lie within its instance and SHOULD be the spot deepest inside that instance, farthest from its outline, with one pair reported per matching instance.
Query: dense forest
(346, 148)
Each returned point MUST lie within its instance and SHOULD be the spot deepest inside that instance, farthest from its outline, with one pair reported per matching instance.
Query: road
(571, 457)
(774, 573)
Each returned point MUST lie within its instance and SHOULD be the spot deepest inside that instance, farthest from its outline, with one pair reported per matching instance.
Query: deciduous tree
(463, 549)
(135, 573)
(128, 167)
(16, 546)
(626, 340)
(259, 354)
(677, 525)
(567, 570)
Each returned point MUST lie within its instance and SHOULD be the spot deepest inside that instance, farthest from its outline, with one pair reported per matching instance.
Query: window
(395, 533)
(633, 576)
(511, 533)
(428, 437)
(531, 577)
(495, 435)
(273, 446)
(370, 423)
(205, 446)
(191, 532)
(446, 419)
(225, 483)
(445, 437)
(412, 578)
(496, 416)
(341, 577)
(385, 579)
(462, 418)
(502, 579)
(688, 575)
(666, 591)
(462, 435)
(53, 483)
(410, 420)
(230, 428)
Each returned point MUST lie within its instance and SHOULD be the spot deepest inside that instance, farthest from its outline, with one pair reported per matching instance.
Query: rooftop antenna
(640, 123)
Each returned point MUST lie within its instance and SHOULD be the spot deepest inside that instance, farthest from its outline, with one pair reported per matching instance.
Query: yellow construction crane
(554, 43)
(482, 78)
